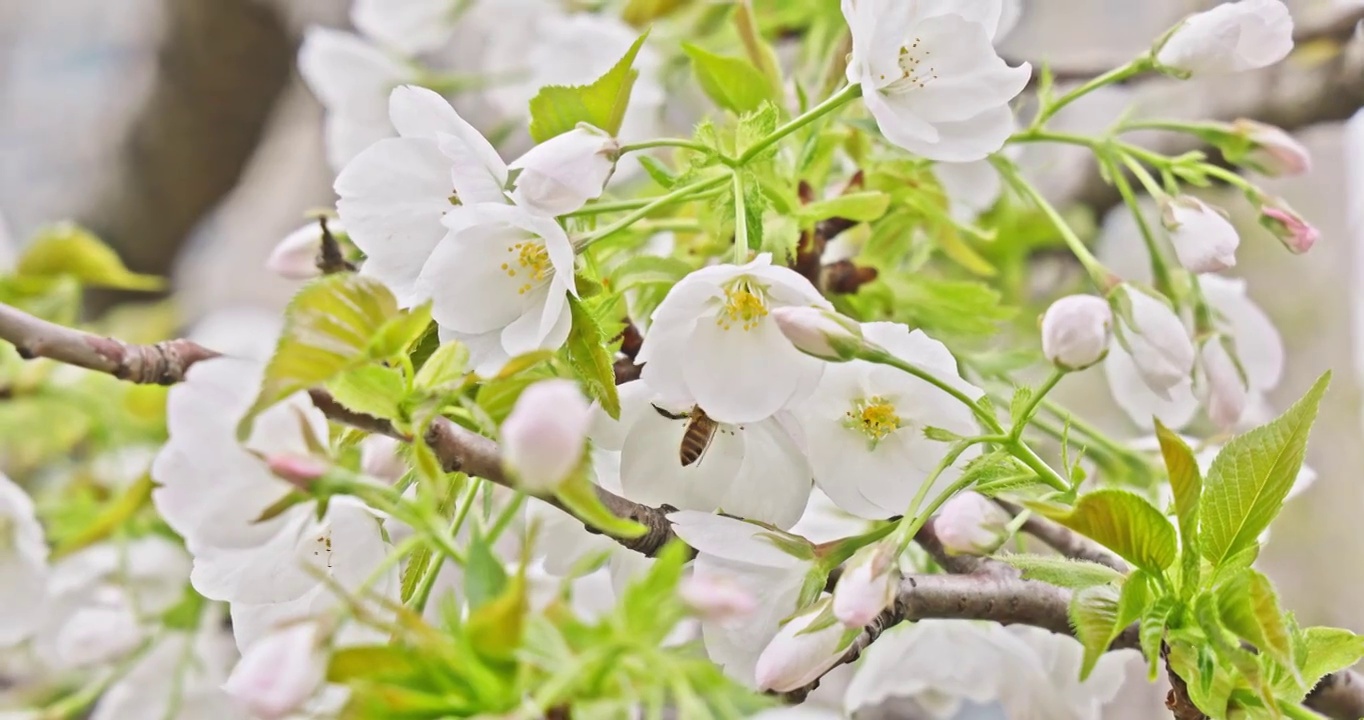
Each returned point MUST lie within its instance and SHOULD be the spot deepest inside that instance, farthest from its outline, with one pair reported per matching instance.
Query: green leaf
(329, 327)
(370, 389)
(445, 367)
(1249, 607)
(398, 334)
(1122, 522)
(1094, 615)
(496, 627)
(1019, 404)
(1062, 572)
(658, 172)
(484, 576)
(579, 495)
(110, 519)
(1135, 599)
(864, 206)
(368, 662)
(1153, 623)
(1249, 479)
(648, 270)
(591, 362)
(556, 109)
(67, 249)
(733, 83)
(1187, 484)
(1327, 650)
(640, 13)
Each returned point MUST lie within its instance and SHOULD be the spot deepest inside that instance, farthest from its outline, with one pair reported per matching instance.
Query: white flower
(716, 598)
(1230, 38)
(23, 565)
(278, 673)
(795, 658)
(1076, 331)
(352, 78)
(713, 340)
(295, 257)
(214, 491)
(1156, 340)
(180, 678)
(864, 425)
(100, 632)
(1031, 672)
(1204, 240)
(931, 77)
(867, 585)
(380, 458)
(970, 524)
(409, 26)
(971, 187)
(744, 554)
(1272, 151)
(543, 437)
(820, 333)
(1224, 390)
(754, 470)
(561, 174)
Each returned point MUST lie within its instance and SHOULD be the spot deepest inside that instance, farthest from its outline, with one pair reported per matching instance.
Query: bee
(696, 438)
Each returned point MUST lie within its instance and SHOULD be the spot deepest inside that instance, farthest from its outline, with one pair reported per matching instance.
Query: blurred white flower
(971, 187)
(795, 658)
(1155, 339)
(23, 565)
(1288, 226)
(743, 554)
(180, 678)
(931, 77)
(407, 26)
(970, 524)
(279, 672)
(1224, 391)
(380, 458)
(1204, 239)
(1076, 331)
(1272, 152)
(1230, 38)
(713, 340)
(352, 78)
(716, 598)
(543, 437)
(295, 257)
(867, 586)
(864, 425)
(819, 333)
(561, 174)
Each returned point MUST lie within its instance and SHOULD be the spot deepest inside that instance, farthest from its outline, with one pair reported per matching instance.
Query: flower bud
(295, 257)
(1156, 339)
(1269, 150)
(1204, 240)
(1076, 331)
(970, 524)
(796, 658)
(561, 174)
(867, 585)
(299, 470)
(543, 437)
(1288, 226)
(716, 597)
(823, 334)
(1231, 37)
(279, 672)
(1224, 392)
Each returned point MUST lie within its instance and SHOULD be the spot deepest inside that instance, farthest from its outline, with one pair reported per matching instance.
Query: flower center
(915, 74)
(532, 261)
(874, 417)
(745, 305)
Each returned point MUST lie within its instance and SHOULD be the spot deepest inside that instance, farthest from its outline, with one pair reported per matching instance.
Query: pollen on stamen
(745, 305)
(875, 417)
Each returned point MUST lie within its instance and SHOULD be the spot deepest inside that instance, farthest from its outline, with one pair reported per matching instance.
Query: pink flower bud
(297, 469)
(1224, 392)
(867, 586)
(970, 524)
(1203, 238)
(1076, 331)
(823, 334)
(543, 437)
(1287, 225)
(715, 597)
(561, 174)
(279, 672)
(1271, 151)
(295, 257)
(795, 658)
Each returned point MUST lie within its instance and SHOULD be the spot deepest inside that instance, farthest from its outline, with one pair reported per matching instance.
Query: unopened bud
(299, 470)
(561, 174)
(280, 672)
(970, 524)
(715, 597)
(796, 658)
(1076, 331)
(1156, 339)
(543, 437)
(1224, 392)
(1269, 150)
(867, 585)
(1231, 37)
(1288, 226)
(1203, 238)
(295, 257)
(821, 333)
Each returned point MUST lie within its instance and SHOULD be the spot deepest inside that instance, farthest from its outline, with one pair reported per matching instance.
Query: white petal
(773, 485)
(742, 375)
(1138, 401)
(1258, 343)
(350, 76)
(729, 539)
(412, 26)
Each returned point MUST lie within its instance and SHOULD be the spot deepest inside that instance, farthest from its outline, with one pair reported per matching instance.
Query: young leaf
(67, 249)
(640, 13)
(556, 109)
(329, 327)
(1062, 572)
(1022, 398)
(484, 576)
(733, 83)
(1153, 623)
(1094, 615)
(1122, 522)
(1135, 599)
(1248, 607)
(370, 389)
(1327, 650)
(1249, 479)
(446, 366)
(864, 206)
(579, 495)
(495, 627)
(1187, 485)
(587, 354)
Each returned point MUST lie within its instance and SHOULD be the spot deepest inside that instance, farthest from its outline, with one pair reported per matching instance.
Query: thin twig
(1062, 540)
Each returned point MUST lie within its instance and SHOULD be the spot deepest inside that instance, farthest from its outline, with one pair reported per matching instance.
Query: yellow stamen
(874, 417)
(534, 259)
(745, 305)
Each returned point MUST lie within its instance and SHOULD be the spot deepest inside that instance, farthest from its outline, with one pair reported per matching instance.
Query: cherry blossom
(1204, 239)
(1154, 337)
(295, 257)
(23, 564)
(799, 653)
(543, 437)
(279, 672)
(410, 26)
(1076, 331)
(352, 78)
(970, 524)
(179, 678)
(867, 585)
(931, 77)
(1230, 38)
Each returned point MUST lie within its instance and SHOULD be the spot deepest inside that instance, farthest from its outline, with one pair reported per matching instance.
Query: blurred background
(180, 131)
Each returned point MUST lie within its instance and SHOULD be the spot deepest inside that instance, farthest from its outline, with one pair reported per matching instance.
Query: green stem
(880, 356)
(1232, 179)
(1025, 455)
(422, 594)
(834, 102)
(911, 525)
(1160, 268)
(1038, 396)
(1118, 74)
(1032, 135)
(676, 143)
(602, 208)
(1102, 277)
(946, 462)
(740, 222)
(504, 519)
(678, 195)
